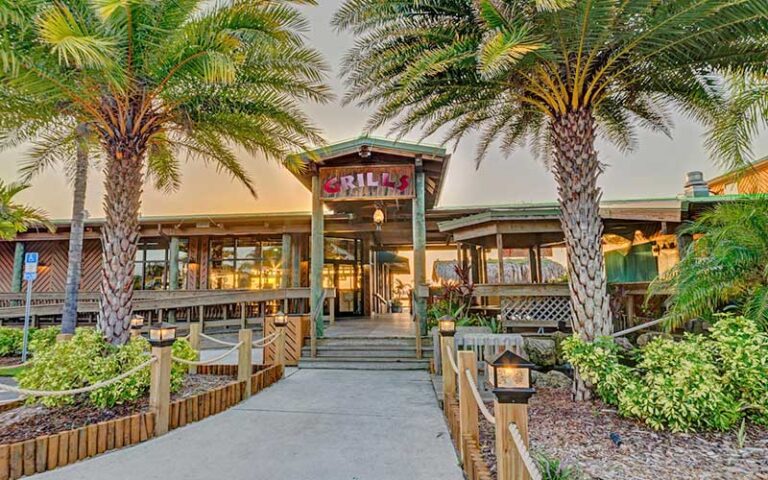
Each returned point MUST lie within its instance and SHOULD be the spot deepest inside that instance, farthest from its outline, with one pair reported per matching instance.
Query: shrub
(43, 339)
(699, 382)
(11, 340)
(554, 469)
(88, 359)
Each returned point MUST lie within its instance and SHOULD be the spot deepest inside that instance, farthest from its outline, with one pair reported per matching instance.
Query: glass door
(343, 271)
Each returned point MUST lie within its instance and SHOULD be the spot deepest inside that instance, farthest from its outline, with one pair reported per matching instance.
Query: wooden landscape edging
(48, 452)
(10, 405)
(474, 464)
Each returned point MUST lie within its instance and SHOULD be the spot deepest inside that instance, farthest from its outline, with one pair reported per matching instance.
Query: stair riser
(362, 353)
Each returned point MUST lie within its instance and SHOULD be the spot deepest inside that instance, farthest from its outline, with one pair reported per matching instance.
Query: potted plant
(396, 306)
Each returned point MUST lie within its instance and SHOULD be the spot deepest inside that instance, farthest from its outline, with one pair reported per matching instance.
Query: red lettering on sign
(404, 183)
(332, 185)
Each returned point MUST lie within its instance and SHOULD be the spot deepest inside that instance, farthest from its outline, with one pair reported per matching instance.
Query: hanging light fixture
(378, 217)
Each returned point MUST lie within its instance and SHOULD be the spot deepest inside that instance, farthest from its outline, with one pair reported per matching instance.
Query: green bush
(11, 340)
(43, 339)
(699, 382)
(554, 469)
(88, 359)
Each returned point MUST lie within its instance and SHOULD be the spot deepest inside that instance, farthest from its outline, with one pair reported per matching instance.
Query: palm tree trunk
(576, 169)
(120, 236)
(75, 257)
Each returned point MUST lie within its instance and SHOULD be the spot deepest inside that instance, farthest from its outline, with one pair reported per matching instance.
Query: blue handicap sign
(30, 266)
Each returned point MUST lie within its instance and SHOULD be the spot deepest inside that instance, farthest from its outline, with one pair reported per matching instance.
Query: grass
(10, 372)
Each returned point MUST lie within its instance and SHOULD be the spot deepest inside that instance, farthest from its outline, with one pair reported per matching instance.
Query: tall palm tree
(159, 80)
(17, 218)
(556, 73)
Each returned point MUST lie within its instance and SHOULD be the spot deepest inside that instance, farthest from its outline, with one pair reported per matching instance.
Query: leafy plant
(700, 382)
(10, 341)
(16, 218)
(724, 269)
(87, 359)
(43, 339)
(555, 469)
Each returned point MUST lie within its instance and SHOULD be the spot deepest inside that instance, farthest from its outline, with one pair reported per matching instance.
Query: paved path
(313, 425)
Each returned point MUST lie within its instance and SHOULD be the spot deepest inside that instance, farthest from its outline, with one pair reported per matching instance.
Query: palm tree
(158, 81)
(724, 269)
(555, 73)
(16, 218)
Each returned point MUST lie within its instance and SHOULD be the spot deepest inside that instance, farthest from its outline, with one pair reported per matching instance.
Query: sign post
(30, 274)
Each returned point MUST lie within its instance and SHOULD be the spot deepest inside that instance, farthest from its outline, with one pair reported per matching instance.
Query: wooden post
(245, 360)
(500, 249)
(467, 409)
(420, 247)
(243, 315)
(195, 329)
(449, 377)
(285, 262)
(509, 463)
(532, 265)
(630, 306)
(160, 388)
(331, 310)
(280, 347)
(296, 260)
(173, 272)
(18, 267)
(201, 317)
(317, 255)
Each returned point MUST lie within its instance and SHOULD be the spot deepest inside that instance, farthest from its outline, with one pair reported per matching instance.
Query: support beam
(474, 263)
(18, 267)
(285, 277)
(532, 265)
(420, 248)
(296, 259)
(500, 249)
(317, 254)
(173, 272)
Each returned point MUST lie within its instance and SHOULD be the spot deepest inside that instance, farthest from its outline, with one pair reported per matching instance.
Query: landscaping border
(52, 451)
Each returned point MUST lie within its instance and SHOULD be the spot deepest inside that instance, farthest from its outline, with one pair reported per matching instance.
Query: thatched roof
(515, 271)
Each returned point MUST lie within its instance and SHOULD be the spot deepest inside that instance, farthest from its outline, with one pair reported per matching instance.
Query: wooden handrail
(522, 290)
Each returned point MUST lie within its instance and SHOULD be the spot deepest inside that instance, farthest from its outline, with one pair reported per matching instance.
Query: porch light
(378, 218)
(137, 322)
(162, 335)
(281, 319)
(447, 326)
(511, 378)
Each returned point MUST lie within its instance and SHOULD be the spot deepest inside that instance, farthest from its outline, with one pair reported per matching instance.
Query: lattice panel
(521, 310)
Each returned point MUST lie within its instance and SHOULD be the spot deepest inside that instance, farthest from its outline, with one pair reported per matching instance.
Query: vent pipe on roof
(695, 186)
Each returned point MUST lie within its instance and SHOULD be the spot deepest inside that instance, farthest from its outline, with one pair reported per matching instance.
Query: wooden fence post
(449, 377)
(244, 360)
(201, 315)
(468, 425)
(243, 315)
(280, 346)
(194, 342)
(160, 388)
(509, 463)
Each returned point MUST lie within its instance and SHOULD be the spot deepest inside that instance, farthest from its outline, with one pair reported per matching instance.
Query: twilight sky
(656, 169)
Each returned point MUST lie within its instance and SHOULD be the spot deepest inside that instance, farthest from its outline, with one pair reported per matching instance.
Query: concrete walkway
(313, 425)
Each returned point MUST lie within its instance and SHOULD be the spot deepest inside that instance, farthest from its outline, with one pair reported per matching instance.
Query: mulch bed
(8, 361)
(579, 434)
(30, 421)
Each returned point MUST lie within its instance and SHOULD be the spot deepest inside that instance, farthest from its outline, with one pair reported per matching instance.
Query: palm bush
(724, 269)
(15, 217)
(157, 81)
(557, 74)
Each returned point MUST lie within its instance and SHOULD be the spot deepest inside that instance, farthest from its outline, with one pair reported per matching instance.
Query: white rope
(268, 340)
(478, 400)
(216, 340)
(209, 361)
(451, 361)
(533, 470)
(77, 391)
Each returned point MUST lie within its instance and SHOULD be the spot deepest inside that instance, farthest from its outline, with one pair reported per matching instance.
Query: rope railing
(478, 399)
(77, 391)
(216, 340)
(197, 363)
(266, 341)
(451, 361)
(530, 465)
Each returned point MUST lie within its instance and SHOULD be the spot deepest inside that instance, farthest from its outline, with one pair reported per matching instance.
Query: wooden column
(317, 256)
(420, 248)
(449, 377)
(160, 388)
(285, 277)
(296, 260)
(245, 360)
(474, 256)
(539, 263)
(195, 329)
(467, 360)
(500, 248)
(18, 267)
(532, 262)
(173, 272)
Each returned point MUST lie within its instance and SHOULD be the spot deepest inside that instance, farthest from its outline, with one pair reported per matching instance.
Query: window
(151, 270)
(244, 263)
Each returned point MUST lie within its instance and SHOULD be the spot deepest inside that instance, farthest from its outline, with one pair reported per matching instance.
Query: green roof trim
(351, 146)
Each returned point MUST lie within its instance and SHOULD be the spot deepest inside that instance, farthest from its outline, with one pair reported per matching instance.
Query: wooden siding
(6, 265)
(754, 180)
(90, 279)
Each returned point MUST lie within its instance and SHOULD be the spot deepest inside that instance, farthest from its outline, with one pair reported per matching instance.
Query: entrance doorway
(343, 271)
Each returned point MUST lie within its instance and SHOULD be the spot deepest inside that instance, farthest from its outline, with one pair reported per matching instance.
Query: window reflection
(151, 266)
(244, 263)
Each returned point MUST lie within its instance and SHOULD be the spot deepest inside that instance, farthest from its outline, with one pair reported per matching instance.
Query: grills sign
(367, 183)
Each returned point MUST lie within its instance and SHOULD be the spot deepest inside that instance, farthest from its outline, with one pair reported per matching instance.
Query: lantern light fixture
(510, 376)
(447, 325)
(281, 319)
(162, 335)
(137, 322)
(378, 218)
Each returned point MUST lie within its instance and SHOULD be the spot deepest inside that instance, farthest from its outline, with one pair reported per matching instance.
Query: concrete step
(371, 342)
(375, 351)
(355, 364)
(370, 359)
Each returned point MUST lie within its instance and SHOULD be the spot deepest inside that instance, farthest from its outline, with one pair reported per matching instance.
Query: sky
(656, 169)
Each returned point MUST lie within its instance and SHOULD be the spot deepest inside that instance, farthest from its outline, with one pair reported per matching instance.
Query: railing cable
(196, 363)
(451, 361)
(216, 340)
(478, 400)
(533, 470)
